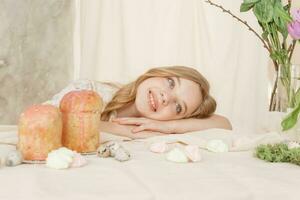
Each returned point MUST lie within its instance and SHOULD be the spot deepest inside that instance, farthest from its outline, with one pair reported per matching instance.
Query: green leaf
(280, 22)
(284, 15)
(292, 99)
(291, 119)
(265, 35)
(297, 97)
(263, 11)
(251, 1)
(275, 55)
(281, 18)
(247, 5)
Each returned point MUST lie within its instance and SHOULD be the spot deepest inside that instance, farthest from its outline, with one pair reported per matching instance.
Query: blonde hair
(126, 94)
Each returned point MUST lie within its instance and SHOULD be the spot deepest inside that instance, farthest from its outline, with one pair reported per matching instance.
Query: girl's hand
(145, 124)
(126, 130)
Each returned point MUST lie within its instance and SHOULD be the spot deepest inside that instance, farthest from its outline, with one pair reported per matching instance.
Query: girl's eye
(171, 83)
(178, 108)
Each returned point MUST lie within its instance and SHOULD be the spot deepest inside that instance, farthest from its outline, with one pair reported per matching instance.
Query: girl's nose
(165, 98)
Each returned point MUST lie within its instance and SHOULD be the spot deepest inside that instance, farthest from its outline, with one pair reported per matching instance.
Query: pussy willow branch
(266, 44)
(292, 46)
(291, 49)
(290, 5)
(272, 102)
(240, 20)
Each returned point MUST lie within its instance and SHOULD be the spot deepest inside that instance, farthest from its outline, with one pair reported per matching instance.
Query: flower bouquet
(280, 31)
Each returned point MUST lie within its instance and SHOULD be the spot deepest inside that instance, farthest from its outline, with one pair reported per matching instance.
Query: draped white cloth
(121, 39)
(226, 176)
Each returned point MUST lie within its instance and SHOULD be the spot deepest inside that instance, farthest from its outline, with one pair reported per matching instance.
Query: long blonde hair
(126, 94)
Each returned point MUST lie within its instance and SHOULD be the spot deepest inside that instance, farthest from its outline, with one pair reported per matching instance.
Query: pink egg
(159, 147)
(78, 160)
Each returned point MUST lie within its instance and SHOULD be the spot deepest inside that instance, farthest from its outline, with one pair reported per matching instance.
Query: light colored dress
(105, 90)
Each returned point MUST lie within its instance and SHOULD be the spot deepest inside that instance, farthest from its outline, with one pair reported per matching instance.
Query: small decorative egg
(122, 154)
(193, 153)
(78, 160)
(159, 147)
(60, 158)
(13, 158)
(217, 146)
(177, 155)
(103, 151)
(113, 146)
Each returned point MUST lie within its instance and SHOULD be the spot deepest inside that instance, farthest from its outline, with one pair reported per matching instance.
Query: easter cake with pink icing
(39, 131)
(81, 119)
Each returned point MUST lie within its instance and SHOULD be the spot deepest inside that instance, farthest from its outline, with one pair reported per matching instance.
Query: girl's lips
(152, 101)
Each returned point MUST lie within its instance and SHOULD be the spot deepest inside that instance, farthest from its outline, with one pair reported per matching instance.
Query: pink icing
(81, 101)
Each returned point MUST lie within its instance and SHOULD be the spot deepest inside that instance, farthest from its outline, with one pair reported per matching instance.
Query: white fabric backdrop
(121, 39)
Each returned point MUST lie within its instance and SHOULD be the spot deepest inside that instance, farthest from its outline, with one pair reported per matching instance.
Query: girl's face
(168, 98)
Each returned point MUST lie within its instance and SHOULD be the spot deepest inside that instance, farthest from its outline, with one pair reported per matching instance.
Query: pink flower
(294, 29)
(296, 15)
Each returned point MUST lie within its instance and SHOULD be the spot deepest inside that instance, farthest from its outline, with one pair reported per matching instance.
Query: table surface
(231, 175)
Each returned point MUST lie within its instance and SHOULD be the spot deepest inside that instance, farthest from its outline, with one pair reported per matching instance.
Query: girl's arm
(176, 126)
(193, 124)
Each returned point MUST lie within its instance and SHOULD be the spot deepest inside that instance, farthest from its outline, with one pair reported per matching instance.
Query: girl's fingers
(144, 127)
(118, 119)
(138, 129)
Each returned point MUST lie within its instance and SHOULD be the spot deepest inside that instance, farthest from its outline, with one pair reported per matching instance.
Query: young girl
(164, 100)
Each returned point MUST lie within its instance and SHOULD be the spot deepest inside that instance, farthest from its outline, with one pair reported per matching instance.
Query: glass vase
(287, 84)
(294, 86)
(287, 96)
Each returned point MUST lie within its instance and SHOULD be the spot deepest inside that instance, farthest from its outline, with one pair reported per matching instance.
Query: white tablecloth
(232, 175)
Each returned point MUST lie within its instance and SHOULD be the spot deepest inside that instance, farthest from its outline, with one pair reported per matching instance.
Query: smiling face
(167, 98)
